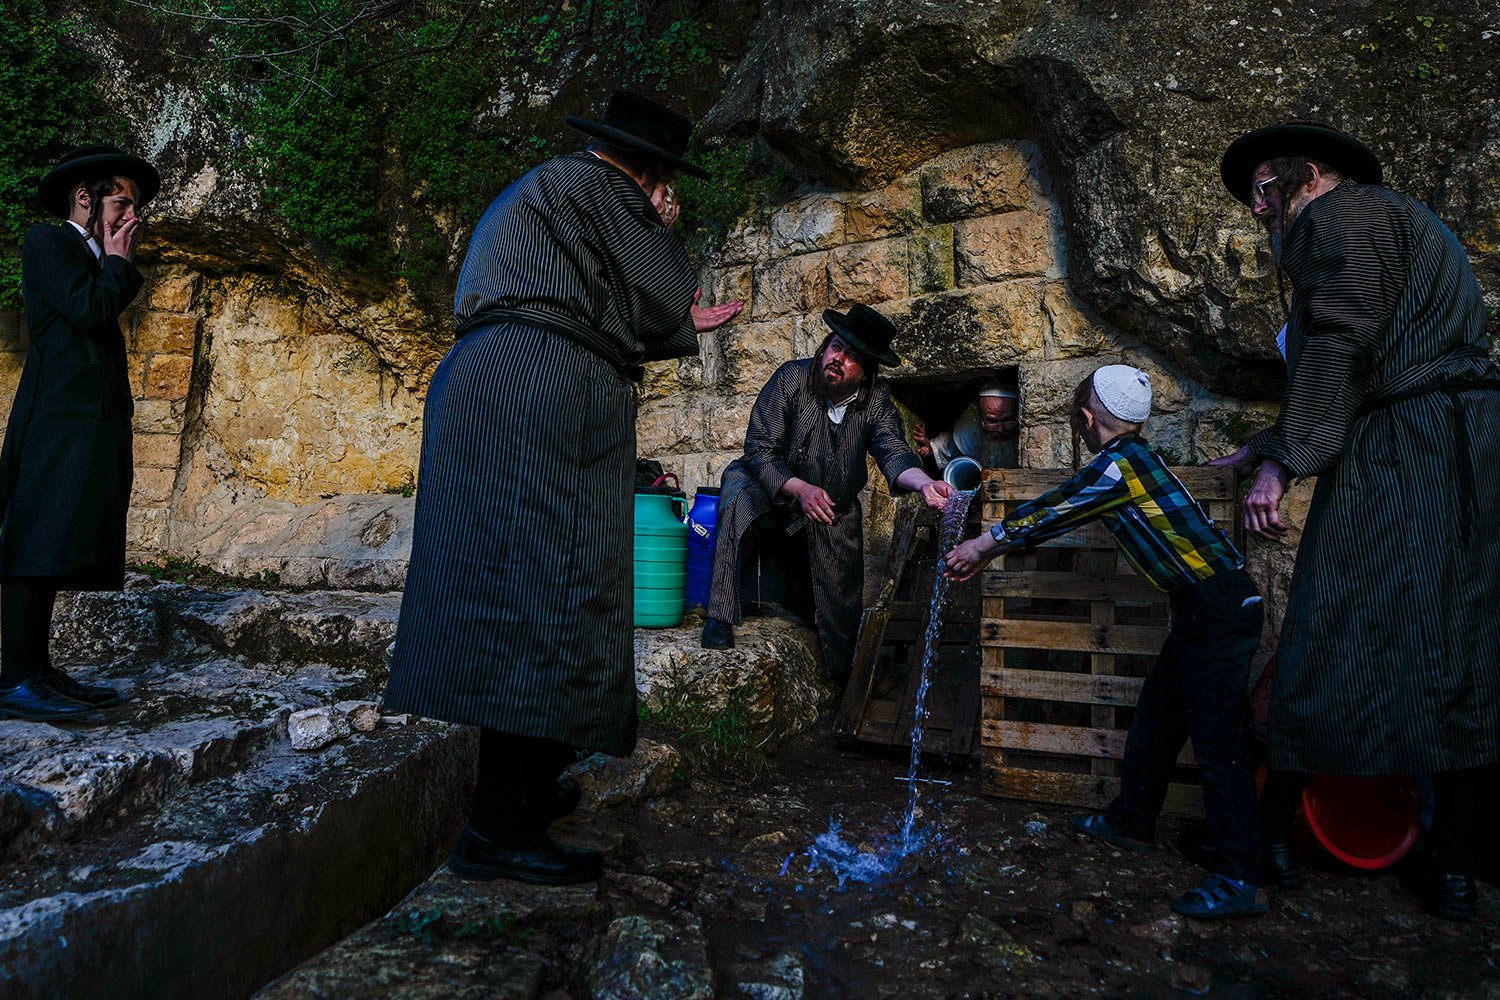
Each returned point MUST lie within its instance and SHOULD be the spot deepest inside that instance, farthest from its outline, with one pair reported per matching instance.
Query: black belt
(495, 317)
(1451, 386)
(1468, 516)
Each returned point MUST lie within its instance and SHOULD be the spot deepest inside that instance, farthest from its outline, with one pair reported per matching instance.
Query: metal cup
(962, 474)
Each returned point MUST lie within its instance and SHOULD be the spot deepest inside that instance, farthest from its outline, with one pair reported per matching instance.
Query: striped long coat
(790, 435)
(517, 610)
(1389, 661)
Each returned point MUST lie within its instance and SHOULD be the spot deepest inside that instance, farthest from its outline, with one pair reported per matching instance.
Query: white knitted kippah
(1125, 391)
(996, 389)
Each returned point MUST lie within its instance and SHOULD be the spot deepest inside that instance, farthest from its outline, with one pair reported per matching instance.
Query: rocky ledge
(250, 804)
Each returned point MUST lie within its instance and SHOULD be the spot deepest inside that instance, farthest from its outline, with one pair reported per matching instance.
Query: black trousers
(775, 567)
(25, 628)
(1196, 689)
(517, 777)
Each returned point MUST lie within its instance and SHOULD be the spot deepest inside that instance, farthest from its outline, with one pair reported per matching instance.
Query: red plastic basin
(1366, 822)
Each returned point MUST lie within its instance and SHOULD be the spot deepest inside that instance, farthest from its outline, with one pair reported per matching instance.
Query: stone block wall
(965, 252)
(161, 335)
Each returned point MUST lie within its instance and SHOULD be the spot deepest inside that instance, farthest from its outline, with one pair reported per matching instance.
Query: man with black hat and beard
(65, 469)
(517, 611)
(789, 511)
(1389, 659)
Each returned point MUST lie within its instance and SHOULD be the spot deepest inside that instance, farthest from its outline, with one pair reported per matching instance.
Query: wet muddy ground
(1009, 901)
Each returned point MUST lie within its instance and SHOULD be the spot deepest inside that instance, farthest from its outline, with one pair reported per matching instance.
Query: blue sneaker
(1220, 896)
(1095, 825)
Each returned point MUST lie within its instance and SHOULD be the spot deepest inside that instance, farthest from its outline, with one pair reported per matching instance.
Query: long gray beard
(1276, 247)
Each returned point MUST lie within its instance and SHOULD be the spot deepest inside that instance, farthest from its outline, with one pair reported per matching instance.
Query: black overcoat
(65, 469)
(789, 436)
(518, 603)
(1389, 660)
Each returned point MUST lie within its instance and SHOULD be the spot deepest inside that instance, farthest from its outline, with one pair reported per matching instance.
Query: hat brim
(836, 323)
(1344, 153)
(617, 137)
(60, 180)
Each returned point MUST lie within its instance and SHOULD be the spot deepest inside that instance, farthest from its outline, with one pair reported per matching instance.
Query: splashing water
(831, 850)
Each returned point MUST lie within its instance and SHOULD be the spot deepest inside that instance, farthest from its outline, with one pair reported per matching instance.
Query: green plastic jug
(660, 561)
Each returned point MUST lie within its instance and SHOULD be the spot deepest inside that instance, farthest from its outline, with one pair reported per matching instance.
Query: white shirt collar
(93, 243)
(836, 411)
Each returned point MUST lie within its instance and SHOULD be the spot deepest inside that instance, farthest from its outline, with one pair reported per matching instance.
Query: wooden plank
(1081, 741)
(862, 666)
(1069, 587)
(1085, 689)
(1140, 639)
(1089, 791)
(1204, 482)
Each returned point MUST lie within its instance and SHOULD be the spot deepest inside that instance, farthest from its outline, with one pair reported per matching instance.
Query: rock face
(772, 674)
(1022, 186)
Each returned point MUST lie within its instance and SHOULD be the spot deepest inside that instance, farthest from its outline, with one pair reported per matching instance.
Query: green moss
(719, 739)
(48, 106)
(175, 569)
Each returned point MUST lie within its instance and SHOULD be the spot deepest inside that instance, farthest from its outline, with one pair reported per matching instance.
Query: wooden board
(1065, 627)
(1088, 791)
(880, 699)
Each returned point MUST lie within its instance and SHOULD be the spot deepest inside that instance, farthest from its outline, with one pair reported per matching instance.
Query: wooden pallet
(1068, 631)
(880, 698)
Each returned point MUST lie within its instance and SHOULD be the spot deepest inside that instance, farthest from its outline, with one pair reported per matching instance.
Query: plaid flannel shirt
(1162, 530)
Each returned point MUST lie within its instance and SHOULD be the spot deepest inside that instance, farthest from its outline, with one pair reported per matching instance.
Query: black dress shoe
(1282, 868)
(534, 858)
(96, 695)
(717, 634)
(34, 701)
(1452, 897)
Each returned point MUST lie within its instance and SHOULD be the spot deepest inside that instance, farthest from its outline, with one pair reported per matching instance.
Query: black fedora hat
(1339, 150)
(639, 123)
(90, 163)
(865, 330)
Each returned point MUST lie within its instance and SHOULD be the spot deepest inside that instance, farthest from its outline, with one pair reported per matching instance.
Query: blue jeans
(1196, 689)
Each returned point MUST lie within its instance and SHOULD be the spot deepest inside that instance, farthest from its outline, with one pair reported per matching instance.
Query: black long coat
(789, 436)
(517, 610)
(1389, 661)
(65, 469)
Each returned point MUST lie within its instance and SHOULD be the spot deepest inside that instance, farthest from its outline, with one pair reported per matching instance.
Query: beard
(1276, 247)
(834, 387)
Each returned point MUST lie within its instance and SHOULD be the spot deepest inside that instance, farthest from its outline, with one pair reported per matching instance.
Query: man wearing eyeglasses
(1389, 659)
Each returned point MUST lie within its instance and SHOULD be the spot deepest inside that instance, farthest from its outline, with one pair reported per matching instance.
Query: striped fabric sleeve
(1096, 489)
(1342, 269)
(765, 437)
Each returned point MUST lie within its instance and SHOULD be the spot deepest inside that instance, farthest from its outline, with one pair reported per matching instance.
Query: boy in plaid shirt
(1196, 688)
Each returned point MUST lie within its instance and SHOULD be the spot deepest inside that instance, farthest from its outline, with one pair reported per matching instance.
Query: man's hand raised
(119, 241)
(712, 317)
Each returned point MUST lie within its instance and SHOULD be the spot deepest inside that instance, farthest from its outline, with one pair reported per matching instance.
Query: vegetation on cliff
(379, 131)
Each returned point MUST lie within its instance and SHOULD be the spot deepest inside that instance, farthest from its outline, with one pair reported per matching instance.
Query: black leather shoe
(34, 701)
(536, 859)
(96, 695)
(1282, 868)
(717, 634)
(562, 803)
(1452, 897)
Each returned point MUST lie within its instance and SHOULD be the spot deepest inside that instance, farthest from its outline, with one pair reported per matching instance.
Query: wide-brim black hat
(865, 330)
(1339, 150)
(639, 123)
(90, 163)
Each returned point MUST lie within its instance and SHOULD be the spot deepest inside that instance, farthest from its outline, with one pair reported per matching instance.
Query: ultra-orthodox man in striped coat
(1389, 659)
(799, 481)
(517, 612)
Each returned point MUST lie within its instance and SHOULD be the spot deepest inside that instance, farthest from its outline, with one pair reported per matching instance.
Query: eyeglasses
(1258, 188)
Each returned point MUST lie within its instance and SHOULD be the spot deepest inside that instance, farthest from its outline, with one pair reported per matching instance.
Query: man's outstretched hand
(706, 318)
(936, 494)
(967, 558)
(1244, 462)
